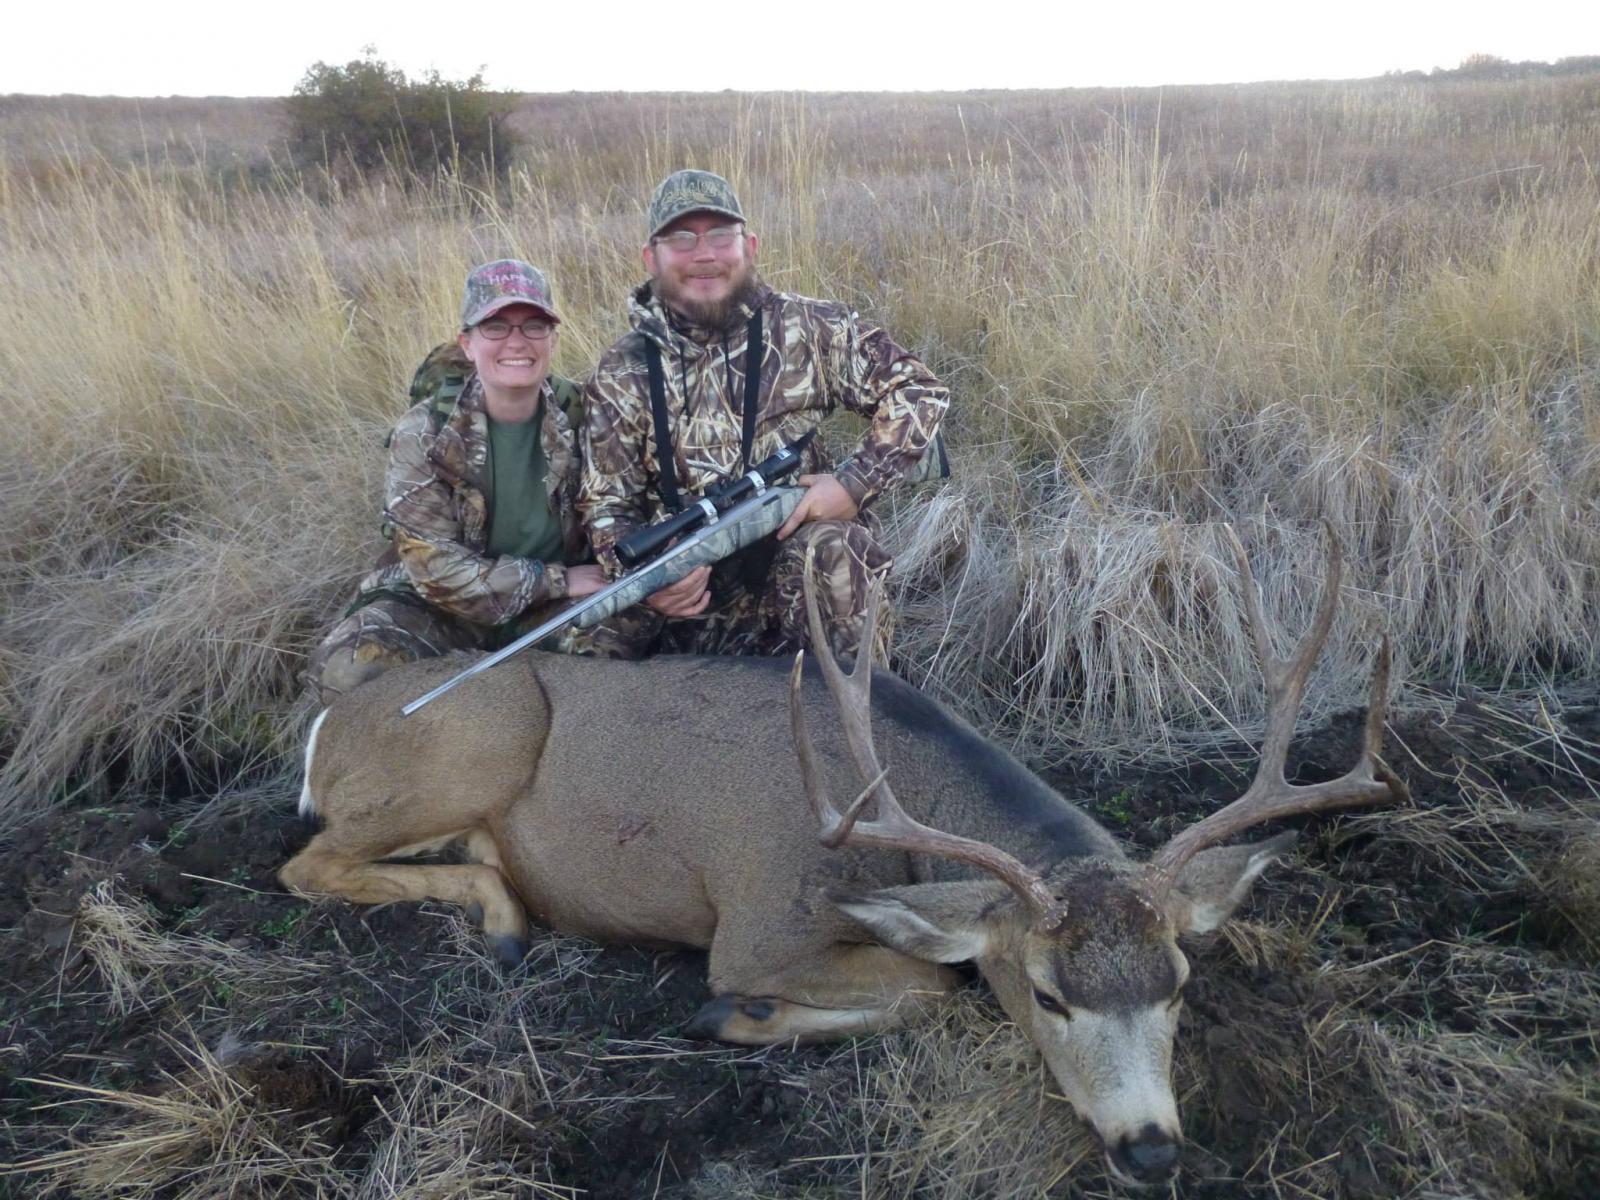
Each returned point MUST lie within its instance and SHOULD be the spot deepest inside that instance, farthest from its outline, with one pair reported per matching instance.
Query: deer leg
(850, 989)
(323, 869)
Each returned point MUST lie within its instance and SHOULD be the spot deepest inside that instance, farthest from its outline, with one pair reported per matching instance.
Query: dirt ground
(1407, 1007)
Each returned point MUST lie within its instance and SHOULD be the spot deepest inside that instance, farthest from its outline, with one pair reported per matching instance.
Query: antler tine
(835, 828)
(853, 694)
(1270, 796)
(1372, 734)
(893, 828)
(1286, 677)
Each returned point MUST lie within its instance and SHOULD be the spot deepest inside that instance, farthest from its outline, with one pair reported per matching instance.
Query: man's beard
(714, 315)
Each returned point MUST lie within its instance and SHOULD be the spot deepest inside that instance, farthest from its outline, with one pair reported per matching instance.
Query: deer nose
(1151, 1157)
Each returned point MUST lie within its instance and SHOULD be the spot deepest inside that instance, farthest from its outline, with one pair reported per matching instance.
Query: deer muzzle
(1146, 1158)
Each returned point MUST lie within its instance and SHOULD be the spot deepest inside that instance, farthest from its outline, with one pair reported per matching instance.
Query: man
(718, 372)
(479, 495)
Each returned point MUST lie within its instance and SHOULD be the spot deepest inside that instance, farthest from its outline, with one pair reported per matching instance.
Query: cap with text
(502, 283)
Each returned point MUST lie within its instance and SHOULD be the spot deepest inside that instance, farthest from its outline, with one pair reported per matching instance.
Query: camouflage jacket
(437, 498)
(818, 356)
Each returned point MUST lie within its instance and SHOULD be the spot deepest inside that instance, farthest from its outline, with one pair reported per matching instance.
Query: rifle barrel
(564, 617)
(568, 615)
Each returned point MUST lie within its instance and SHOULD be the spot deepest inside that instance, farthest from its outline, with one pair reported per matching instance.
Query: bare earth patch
(1408, 1007)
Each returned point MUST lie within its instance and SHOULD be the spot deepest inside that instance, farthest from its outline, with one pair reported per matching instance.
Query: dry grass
(1375, 304)
(961, 1109)
(464, 1130)
(1309, 1064)
(204, 1129)
(142, 967)
(1143, 343)
(1409, 1009)
(474, 1109)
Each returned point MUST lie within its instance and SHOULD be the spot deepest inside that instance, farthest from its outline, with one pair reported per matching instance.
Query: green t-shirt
(520, 520)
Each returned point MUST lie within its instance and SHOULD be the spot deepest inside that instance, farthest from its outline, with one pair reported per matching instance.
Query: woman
(479, 497)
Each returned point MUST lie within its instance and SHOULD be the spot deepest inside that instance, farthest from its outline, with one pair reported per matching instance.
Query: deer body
(654, 802)
(658, 802)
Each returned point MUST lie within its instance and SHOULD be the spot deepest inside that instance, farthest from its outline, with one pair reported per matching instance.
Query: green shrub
(368, 114)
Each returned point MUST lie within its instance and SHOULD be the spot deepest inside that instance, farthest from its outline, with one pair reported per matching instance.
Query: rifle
(730, 516)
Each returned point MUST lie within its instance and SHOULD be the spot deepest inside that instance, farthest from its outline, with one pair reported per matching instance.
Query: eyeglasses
(684, 241)
(535, 329)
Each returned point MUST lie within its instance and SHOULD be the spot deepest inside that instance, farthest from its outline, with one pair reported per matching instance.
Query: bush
(370, 114)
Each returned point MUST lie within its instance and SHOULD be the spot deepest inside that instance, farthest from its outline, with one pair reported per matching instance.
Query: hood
(648, 317)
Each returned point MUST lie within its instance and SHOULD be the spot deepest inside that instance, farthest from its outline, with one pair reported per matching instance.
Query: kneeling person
(718, 372)
(479, 497)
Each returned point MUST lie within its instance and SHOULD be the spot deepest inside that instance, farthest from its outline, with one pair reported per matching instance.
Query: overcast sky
(262, 48)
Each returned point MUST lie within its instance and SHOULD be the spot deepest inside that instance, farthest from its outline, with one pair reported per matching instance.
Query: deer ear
(1215, 882)
(934, 922)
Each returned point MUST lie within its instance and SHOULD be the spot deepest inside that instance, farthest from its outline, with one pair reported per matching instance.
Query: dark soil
(666, 1117)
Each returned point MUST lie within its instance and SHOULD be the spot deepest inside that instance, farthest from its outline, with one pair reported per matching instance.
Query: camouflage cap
(691, 191)
(500, 284)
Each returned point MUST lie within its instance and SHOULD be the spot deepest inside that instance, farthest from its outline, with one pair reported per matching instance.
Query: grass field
(1371, 304)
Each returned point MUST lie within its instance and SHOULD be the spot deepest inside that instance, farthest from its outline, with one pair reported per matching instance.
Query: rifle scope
(644, 544)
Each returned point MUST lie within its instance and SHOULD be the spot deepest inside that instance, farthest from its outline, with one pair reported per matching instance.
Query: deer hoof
(711, 1023)
(475, 913)
(706, 1025)
(508, 948)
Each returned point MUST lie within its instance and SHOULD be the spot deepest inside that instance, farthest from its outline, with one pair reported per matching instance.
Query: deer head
(1083, 954)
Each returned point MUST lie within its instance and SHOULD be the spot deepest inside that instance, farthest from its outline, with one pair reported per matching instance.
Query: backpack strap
(444, 403)
(754, 354)
(440, 380)
(569, 398)
(667, 471)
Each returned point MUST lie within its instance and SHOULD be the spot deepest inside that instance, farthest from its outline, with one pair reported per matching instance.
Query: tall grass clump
(1371, 304)
(204, 408)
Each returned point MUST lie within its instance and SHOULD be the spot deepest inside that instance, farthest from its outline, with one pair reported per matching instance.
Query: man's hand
(584, 581)
(686, 598)
(825, 500)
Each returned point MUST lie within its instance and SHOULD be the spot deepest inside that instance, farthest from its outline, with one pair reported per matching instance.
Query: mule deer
(650, 802)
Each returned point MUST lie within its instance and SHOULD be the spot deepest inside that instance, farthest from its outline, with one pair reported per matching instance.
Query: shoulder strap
(440, 380)
(755, 354)
(666, 471)
(569, 397)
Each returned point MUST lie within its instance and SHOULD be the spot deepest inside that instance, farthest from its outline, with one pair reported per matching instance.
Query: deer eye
(1050, 1004)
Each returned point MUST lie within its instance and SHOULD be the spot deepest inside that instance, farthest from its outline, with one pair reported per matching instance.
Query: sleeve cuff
(854, 481)
(555, 581)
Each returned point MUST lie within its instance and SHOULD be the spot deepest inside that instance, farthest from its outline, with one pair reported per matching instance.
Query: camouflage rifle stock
(762, 508)
(741, 525)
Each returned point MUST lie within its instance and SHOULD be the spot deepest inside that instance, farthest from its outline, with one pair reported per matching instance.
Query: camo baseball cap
(691, 191)
(502, 283)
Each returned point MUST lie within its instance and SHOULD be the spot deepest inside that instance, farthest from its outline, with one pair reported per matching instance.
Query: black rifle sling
(749, 568)
(667, 472)
(755, 352)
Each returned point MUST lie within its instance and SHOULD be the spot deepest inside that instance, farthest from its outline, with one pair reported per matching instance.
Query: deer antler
(1270, 796)
(893, 827)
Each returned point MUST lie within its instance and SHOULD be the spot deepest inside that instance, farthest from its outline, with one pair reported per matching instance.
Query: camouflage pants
(771, 620)
(391, 629)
